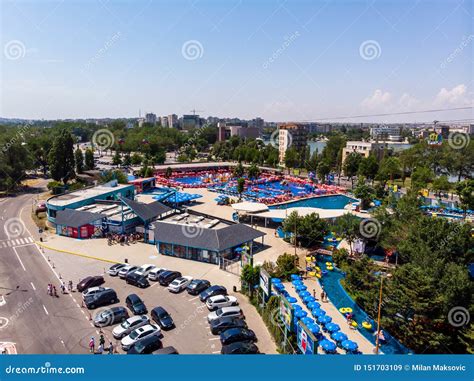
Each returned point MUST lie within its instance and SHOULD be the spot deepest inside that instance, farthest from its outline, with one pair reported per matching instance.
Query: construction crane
(194, 111)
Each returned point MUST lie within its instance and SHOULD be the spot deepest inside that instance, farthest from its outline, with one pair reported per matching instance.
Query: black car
(145, 346)
(234, 335)
(102, 298)
(111, 316)
(222, 324)
(162, 317)
(212, 291)
(240, 348)
(197, 286)
(90, 281)
(135, 304)
(137, 280)
(168, 276)
(166, 351)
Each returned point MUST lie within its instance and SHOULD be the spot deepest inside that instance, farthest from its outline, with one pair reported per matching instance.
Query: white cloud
(457, 96)
(407, 102)
(378, 99)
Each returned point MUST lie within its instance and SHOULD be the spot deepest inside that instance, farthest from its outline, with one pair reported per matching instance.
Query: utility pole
(377, 340)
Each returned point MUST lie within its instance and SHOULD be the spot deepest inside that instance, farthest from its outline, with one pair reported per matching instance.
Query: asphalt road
(31, 321)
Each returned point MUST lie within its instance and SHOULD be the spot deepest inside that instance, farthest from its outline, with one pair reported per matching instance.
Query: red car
(90, 281)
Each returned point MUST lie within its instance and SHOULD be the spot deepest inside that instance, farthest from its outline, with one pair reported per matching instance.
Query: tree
(89, 159)
(369, 167)
(420, 178)
(160, 157)
(240, 187)
(253, 171)
(61, 157)
(390, 167)
(146, 171)
(239, 170)
(291, 158)
(323, 171)
(127, 161)
(136, 159)
(465, 191)
(348, 227)
(168, 172)
(351, 165)
(14, 161)
(115, 174)
(364, 193)
(441, 185)
(286, 265)
(116, 159)
(309, 229)
(250, 277)
(79, 159)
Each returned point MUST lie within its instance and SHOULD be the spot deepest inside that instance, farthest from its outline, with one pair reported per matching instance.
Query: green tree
(61, 157)
(239, 170)
(116, 159)
(240, 187)
(160, 157)
(365, 193)
(250, 277)
(390, 167)
(421, 177)
(369, 167)
(286, 265)
(351, 166)
(115, 174)
(441, 185)
(168, 172)
(348, 227)
(79, 159)
(89, 160)
(253, 171)
(323, 171)
(136, 159)
(292, 158)
(127, 161)
(465, 191)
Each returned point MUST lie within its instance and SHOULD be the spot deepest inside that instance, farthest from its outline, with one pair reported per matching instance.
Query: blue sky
(281, 60)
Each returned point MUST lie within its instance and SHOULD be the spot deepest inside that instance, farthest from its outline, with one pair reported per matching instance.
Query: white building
(390, 133)
(172, 121)
(164, 121)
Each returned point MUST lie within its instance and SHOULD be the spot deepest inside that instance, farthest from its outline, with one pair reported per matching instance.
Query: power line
(390, 114)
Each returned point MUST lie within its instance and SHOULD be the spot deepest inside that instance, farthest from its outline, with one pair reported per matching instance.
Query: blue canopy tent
(303, 294)
(309, 299)
(314, 328)
(291, 299)
(301, 287)
(297, 307)
(297, 282)
(295, 277)
(300, 314)
(313, 305)
(318, 312)
(308, 321)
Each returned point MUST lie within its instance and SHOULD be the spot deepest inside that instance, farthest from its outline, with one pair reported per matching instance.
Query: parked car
(93, 290)
(129, 325)
(139, 333)
(114, 269)
(240, 348)
(166, 351)
(137, 280)
(197, 286)
(167, 277)
(162, 317)
(40, 207)
(135, 304)
(220, 325)
(225, 312)
(145, 346)
(111, 316)
(234, 335)
(144, 270)
(212, 291)
(90, 281)
(179, 284)
(126, 270)
(155, 273)
(219, 301)
(102, 298)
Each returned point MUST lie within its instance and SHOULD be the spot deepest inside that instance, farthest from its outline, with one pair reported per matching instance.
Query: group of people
(101, 348)
(123, 239)
(52, 291)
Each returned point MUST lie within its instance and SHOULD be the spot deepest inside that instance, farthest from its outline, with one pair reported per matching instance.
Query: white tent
(250, 207)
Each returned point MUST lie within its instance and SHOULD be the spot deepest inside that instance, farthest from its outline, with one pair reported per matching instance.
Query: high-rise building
(173, 121)
(189, 122)
(150, 118)
(291, 135)
(164, 121)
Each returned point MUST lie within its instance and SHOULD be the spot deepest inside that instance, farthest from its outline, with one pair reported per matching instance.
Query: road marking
(33, 286)
(4, 244)
(21, 241)
(45, 310)
(214, 338)
(25, 245)
(22, 265)
(9, 244)
(83, 312)
(216, 352)
(193, 298)
(62, 342)
(30, 240)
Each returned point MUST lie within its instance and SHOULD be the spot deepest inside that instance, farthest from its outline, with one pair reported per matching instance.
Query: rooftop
(84, 194)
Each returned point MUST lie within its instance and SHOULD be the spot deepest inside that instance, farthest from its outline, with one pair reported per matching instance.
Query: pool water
(189, 180)
(331, 283)
(323, 202)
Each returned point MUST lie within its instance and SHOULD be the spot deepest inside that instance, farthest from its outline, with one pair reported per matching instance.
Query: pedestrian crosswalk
(16, 242)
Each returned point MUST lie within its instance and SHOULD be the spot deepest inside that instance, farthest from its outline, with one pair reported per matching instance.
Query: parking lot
(191, 333)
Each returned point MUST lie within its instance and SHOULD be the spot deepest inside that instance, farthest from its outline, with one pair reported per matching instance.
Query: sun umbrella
(324, 319)
(308, 299)
(349, 345)
(238, 250)
(303, 294)
(295, 277)
(279, 287)
(297, 282)
(291, 299)
(332, 327)
(301, 288)
(300, 314)
(308, 321)
(313, 305)
(318, 312)
(314, 328)
(276, 280)
(285, 293)
(339, 336)
(328, 346)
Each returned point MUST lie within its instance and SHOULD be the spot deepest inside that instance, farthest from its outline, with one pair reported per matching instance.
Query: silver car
(129, 325)
(225, 312)
(127, 270)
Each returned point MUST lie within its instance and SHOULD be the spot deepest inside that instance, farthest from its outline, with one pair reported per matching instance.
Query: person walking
(322, 296)
(55, 292)
(111, 349)
(100, 350)
(63, 288)
(102, 340)
(92, 345)
(69, 286)
(50, 289)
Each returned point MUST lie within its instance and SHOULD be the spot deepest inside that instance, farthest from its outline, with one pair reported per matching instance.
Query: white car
(144, 270)
(219, 301)
(139, 333)
(225, 312)
(179, 284)
(155, 273)
(130, 325)
(93, 290)
(115, 269)
(128, 268)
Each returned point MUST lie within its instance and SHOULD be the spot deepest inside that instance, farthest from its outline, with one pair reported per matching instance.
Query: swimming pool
(189, 180)
(324, 202)
(331, 283)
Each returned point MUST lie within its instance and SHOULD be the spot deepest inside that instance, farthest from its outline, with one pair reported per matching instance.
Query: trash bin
(126, 260)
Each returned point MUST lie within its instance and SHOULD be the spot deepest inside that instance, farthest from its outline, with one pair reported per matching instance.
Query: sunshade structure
(281, 214)
(313, 305)
(250, 207)
(314, 328)
(339, 336)
(324, 319)
(177, 197)
(332, 327)
(147, 212)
